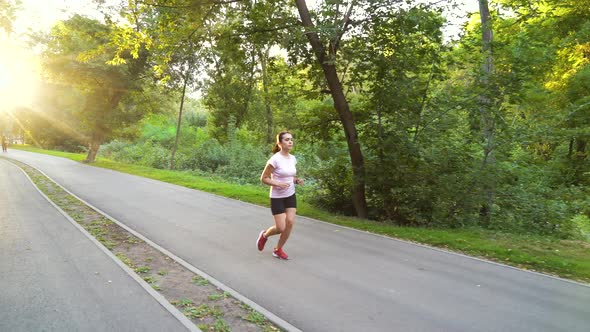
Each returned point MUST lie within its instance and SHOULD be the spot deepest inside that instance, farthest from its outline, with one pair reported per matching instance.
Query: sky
(19, 69)
(42, 14)
(19, 73)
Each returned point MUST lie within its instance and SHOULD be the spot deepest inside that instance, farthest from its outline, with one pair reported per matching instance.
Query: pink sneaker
(279, 253)
(261, 240)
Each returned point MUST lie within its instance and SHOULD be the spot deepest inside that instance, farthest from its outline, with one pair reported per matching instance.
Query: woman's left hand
(299, 181)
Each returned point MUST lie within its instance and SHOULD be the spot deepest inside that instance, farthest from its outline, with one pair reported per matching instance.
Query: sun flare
(18, 75)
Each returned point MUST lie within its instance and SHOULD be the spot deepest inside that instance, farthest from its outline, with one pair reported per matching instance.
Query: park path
(53, 278)
(337, 279)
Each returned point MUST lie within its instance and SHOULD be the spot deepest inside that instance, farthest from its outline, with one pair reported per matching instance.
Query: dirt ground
(210, 308)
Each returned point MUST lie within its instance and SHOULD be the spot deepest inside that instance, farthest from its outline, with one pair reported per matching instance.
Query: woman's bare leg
(289, 220)
(279, 226)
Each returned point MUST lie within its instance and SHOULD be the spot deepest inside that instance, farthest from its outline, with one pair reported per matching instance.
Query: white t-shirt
(284, 171)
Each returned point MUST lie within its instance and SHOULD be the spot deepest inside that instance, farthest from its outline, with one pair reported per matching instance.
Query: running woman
(279, 173)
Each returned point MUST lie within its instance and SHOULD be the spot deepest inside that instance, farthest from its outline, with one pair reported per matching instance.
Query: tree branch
(344, 27)
(314, 39)
(190, 6)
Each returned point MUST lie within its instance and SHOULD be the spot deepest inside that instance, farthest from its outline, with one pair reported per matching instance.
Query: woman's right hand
(283, 185)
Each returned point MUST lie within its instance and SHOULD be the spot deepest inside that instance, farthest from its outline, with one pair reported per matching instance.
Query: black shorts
(280, 205)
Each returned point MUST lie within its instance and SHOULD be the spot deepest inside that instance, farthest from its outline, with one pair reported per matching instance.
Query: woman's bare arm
(266, 178)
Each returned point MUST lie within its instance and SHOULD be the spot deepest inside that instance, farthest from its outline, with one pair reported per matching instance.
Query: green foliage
(239, 159)
(8, 10)
(582, 224)
(414, 98)
(333, 182)
(528, 202)
(245, 162)
(565, 258)
(146, 153)
(210, 156)
(76, 55)
(51, 122)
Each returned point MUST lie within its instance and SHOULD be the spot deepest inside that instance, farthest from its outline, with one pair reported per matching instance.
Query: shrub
(210, 155)
(333, 185)
(245, 162)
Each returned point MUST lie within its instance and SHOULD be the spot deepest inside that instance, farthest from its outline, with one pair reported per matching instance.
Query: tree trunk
(186, 75)
(100, 133)
(581, 149)
(95, 142)
(269, 118)
(342, 107)
(486, 104)
(580, 161)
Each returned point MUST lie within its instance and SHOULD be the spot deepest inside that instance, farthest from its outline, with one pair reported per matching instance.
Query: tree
(233, 60)
(486, 104)
(7, 13)
(240, 41)
(176, 49)
(50, 123)
(539, 49)
(79, 53)
(326, 57)
(229, 87)
(545, 49)
(395, 72)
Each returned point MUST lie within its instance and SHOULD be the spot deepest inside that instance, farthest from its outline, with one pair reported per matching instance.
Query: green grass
(183, 303)
(143, 269)
(150, 279)
(198, 280)
(202, 311)
(568, 259)
(218, 296)
(255, 317)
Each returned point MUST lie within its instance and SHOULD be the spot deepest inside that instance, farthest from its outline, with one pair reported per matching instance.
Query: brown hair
(280, 135)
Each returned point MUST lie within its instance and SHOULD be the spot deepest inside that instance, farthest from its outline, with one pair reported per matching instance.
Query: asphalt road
(53, 278)
(337, 279)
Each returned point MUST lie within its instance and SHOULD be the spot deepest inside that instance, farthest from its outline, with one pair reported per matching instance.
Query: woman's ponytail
(276, 148)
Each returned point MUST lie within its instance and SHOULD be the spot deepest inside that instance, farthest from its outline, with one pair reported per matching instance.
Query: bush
(528, 200)
(582, 226)
(332, 184)
(210, 155)
(245, 162)
(155, 155)
(114, 150)
(145, 154)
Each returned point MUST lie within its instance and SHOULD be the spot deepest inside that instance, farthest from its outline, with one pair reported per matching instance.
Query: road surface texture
(53, 278)
(337, 279)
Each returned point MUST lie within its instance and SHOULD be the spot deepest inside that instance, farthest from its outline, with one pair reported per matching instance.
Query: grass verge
(563, 258)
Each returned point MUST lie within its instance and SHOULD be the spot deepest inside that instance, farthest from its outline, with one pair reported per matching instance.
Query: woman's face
(287, 142)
